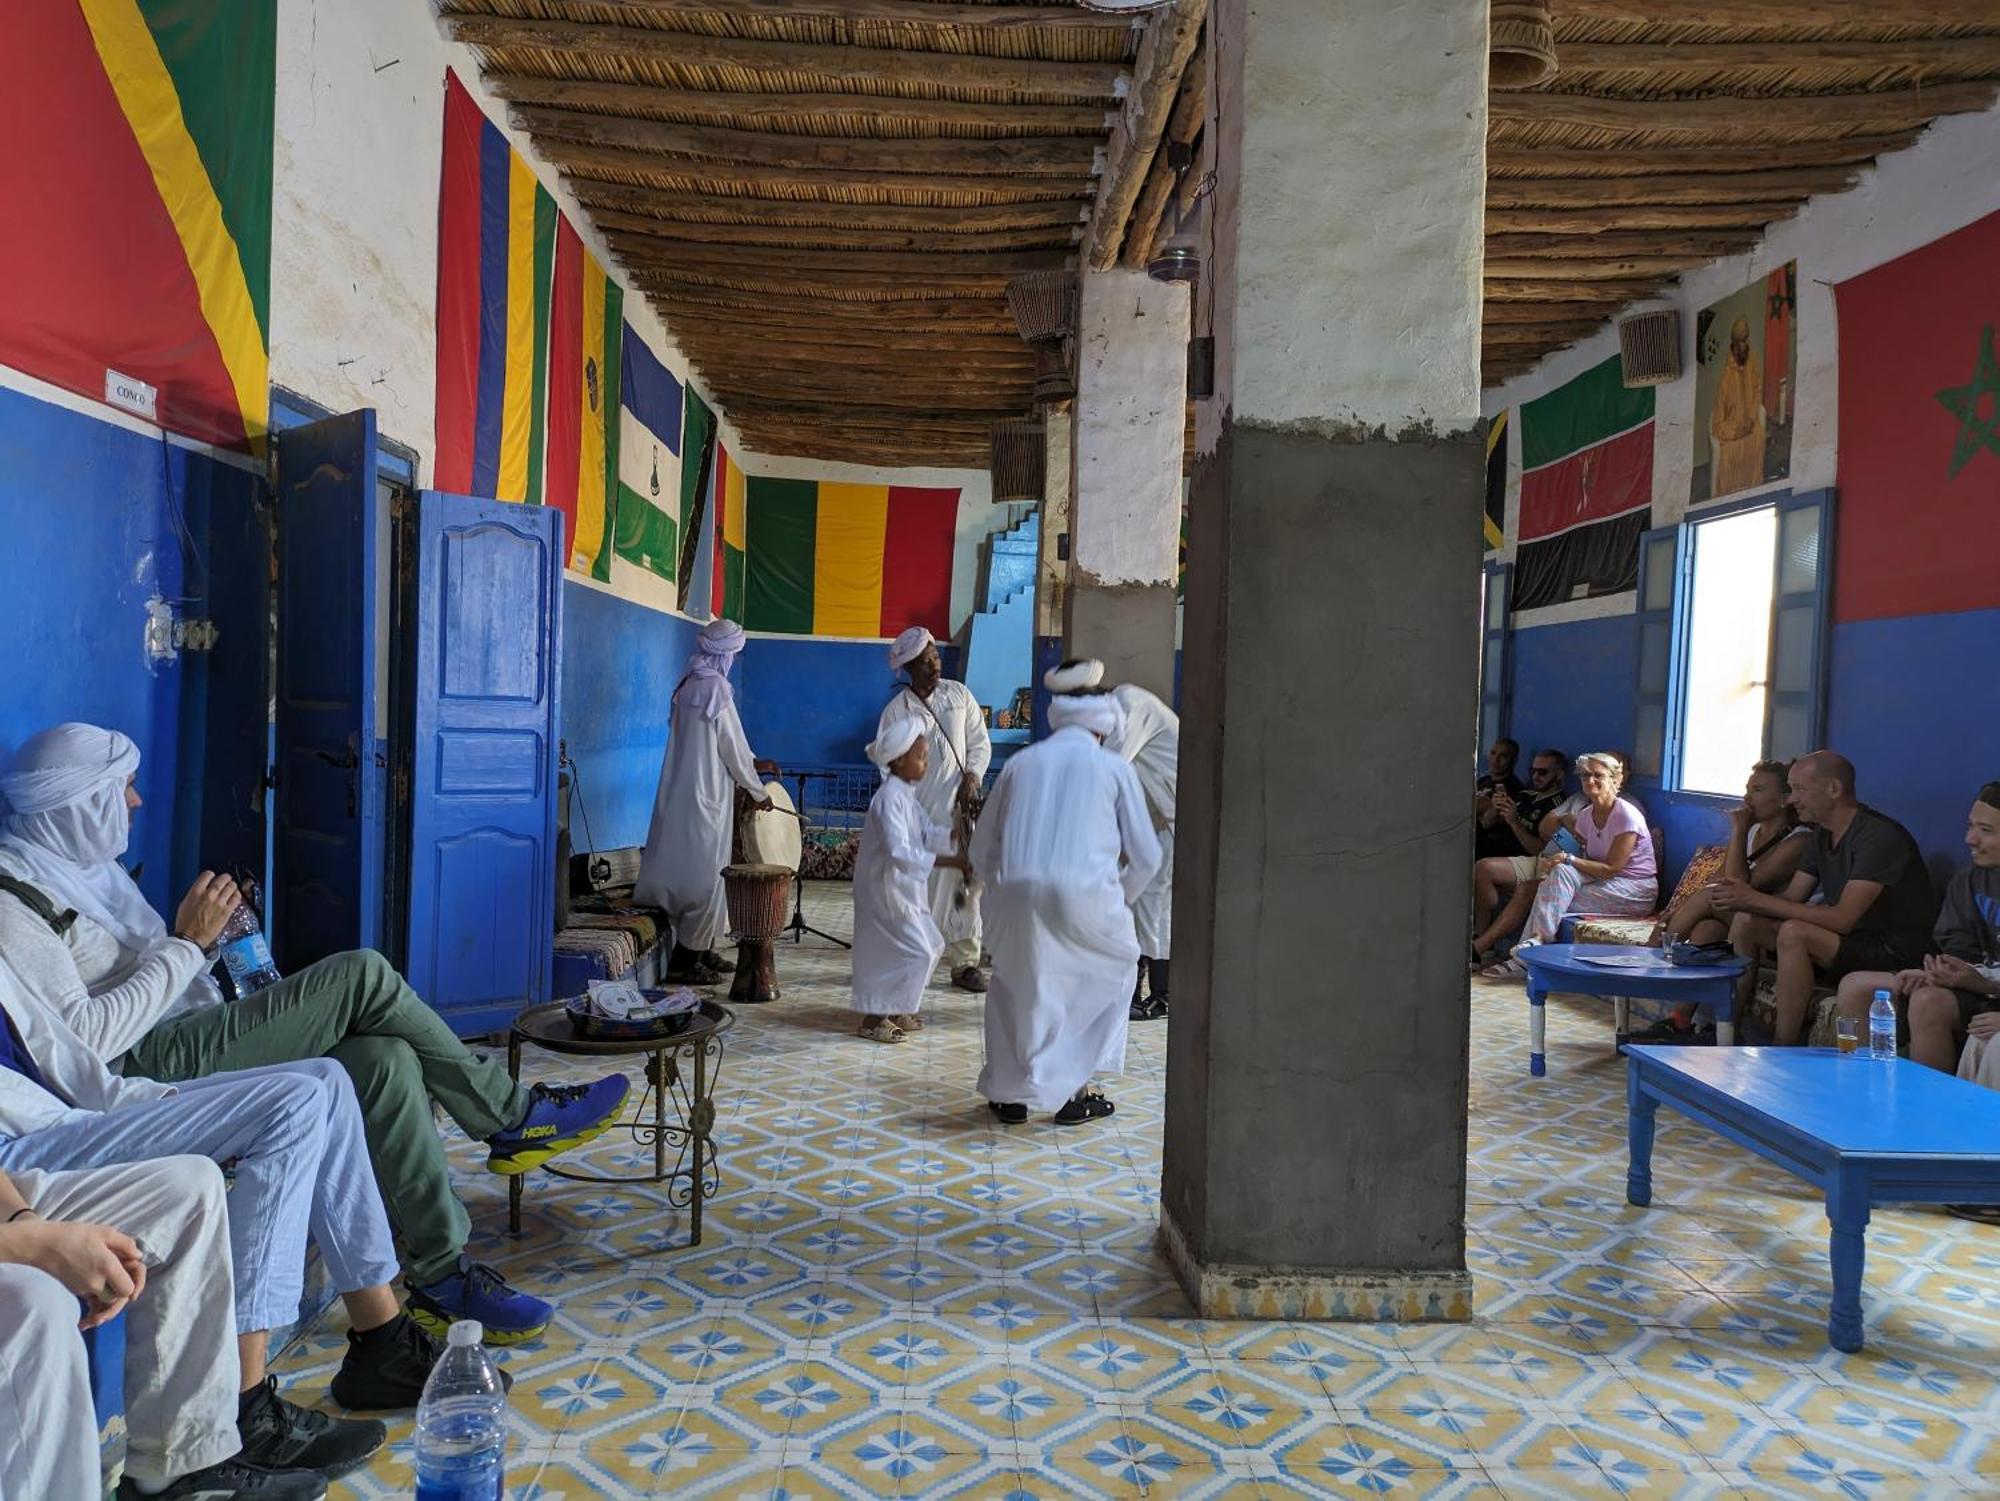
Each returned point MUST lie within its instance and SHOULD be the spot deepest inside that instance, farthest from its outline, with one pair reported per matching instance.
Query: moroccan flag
(649, 460)
(496, 247)
(1496, 481)
(1586, 488)
(137, 179)
(586, 312)
(731, 492)
(827, 559)
(1920, 431)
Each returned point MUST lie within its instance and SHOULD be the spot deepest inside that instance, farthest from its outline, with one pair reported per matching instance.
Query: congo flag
(496, 248)
(137, 179)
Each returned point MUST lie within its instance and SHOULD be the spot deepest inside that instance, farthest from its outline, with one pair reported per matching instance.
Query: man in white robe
(1149, 737)
(960, 752)
(694, 811)
(896, 941)
(1064, 849)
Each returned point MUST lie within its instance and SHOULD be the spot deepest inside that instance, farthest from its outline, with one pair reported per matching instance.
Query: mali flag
(649, 461)
(137, 179)
(731, 490)
(825, 559)
(496, 243)
(1586, 488)
(586, 313)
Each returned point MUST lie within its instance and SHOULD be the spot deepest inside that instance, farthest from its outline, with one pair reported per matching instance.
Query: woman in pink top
(1615, 874)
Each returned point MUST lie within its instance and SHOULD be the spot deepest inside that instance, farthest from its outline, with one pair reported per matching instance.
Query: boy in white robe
(897, 941)
(1064, 847)
(694, 810)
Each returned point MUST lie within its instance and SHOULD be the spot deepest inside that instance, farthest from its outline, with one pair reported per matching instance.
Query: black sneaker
(233, 1478)
(281, 1435)
(1010, 1115)
(385, 1369)
(1088, 1105)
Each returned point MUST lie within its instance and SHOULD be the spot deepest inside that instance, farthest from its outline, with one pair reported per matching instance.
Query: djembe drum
(758, 896)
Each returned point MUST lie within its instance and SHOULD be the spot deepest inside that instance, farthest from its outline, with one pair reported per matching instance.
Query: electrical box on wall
(169, 633)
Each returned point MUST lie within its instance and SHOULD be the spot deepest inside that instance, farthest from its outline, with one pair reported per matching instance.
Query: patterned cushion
(1704, 867)
(1640, 930)
(1763, 1010)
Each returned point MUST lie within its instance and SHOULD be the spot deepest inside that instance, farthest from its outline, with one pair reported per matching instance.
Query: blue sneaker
(476, 1291)
(560, 1117)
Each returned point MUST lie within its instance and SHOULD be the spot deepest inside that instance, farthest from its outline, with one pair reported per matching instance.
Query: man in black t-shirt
(1875, 904)
(1509, 824)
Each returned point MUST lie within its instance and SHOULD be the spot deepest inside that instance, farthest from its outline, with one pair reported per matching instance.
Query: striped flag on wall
(730, 499)
(137, 179)
(829, 559)
(496, 248)
(1496, 481)
(649, 460)
(586, 313)
(1586, 488)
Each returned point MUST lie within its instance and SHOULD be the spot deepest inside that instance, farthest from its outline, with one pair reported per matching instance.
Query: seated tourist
(1874, 904)
(1766, 843)
(149, 1240)
(1613, 876)
(1958, 983)
(293, 1138)
(1502, 756)
(139, 994)
(1509, 833)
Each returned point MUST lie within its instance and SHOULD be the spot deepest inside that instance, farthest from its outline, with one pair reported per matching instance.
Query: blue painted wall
(620, 664)
(91, 536)
(808, 702)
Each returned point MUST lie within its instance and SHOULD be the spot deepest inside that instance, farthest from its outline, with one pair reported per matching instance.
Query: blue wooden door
(484, 722)
(328, 819)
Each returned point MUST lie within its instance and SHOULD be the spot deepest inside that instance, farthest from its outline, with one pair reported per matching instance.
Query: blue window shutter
(1496, 668)
(1795, 698)
(1663, 560)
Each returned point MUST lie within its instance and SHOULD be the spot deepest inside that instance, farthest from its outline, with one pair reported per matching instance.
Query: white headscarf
(705, 689)
(66, 820)
(907, 647)
(1072, 677)
(897, 736)
(1098, 713)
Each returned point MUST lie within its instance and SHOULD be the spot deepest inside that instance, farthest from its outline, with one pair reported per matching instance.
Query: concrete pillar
(1316, 1073)
(1052, 558)
(1131, 397)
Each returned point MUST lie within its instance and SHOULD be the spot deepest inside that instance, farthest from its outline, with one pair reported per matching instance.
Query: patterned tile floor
(895, 1296)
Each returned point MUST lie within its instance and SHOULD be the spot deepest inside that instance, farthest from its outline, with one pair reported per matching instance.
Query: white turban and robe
(896, 940)
(1065, 814)
(694, 809)
(1150, 738)
(959, 743)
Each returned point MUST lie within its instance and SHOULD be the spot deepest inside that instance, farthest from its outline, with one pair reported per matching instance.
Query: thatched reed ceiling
(825, 198)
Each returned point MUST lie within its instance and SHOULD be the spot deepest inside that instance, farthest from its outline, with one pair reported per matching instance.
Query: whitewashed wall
(1944, 182)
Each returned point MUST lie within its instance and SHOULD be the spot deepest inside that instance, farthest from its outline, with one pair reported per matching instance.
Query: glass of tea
(1846, 1033)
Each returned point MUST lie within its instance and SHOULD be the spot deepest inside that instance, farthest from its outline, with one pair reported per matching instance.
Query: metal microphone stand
(798, 927)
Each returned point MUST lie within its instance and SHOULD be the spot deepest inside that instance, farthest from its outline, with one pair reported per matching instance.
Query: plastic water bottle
(1882, 1028)
(462, 1423)
(245, 954)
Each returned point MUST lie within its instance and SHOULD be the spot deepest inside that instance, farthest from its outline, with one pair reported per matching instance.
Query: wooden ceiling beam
(1609, 268)
(888, 187)
(1599, 218)
(718, 107)
(1171, 34)
(654, 251)
(1547, 335)
(862, 413)
(981, 19)
(1537, 289)
(1674, 187)
(1965, 54)
(835, 388)
(1727, 112)
(1057, 155)
(1704, 244)
(1561, 161)
(1542, 312)
(673, 207)
(890, 287)
(970, 314)
(689, 235)
(694, 324)
(1784, 15)
(876, 69)
(1184, 127)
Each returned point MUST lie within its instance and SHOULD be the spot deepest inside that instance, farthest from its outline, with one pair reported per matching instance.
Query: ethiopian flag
(731, 492)
(586, 314)
(496, 247)
(1586, 488)
(826, 559)
(137, 179)
(649, 461)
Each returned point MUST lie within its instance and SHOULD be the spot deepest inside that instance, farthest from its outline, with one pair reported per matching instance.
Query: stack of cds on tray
(616, 1010)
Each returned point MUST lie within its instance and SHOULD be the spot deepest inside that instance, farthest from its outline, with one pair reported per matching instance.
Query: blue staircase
(999, 652)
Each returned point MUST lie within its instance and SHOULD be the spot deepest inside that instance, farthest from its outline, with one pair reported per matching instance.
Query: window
(1494, 684)
(1732, 609)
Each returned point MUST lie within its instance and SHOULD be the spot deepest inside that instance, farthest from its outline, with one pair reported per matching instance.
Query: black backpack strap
(33, 898)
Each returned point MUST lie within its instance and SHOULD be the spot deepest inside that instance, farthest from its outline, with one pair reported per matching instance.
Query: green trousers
(355, 1009)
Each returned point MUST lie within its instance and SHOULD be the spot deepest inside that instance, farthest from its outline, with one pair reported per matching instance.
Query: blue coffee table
(1631, 970)
(1863, 1132)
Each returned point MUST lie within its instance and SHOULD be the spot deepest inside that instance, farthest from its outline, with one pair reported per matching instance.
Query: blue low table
(1860, 1130)
(1575, 969)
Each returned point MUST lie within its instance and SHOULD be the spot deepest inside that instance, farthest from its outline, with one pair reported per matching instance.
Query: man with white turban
(1149, 736)
(135, 991)
(896, 941)
(694, 811)
(960, 752)
(1064, 848)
